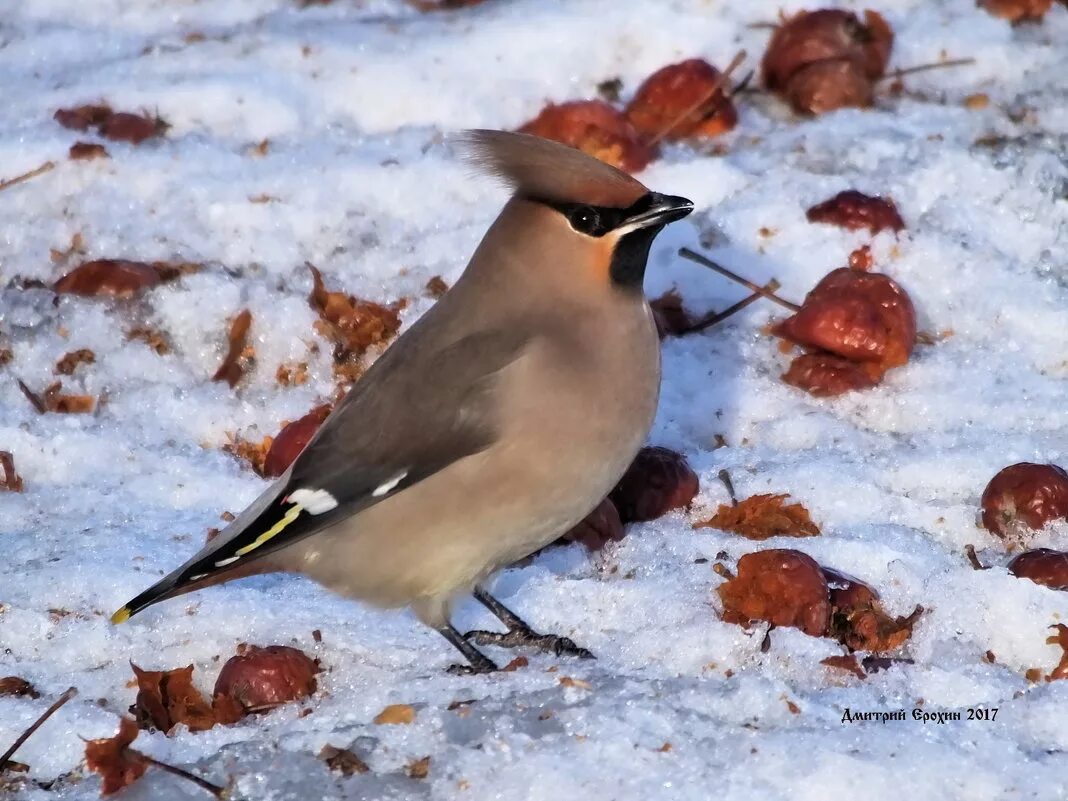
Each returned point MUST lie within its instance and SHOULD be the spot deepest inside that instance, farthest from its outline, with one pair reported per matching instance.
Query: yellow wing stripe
(291, 515)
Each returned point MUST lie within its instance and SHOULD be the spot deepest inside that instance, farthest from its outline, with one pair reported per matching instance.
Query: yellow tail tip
(121, 616)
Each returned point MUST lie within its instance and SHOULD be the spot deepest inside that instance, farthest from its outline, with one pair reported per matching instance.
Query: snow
(355, 98)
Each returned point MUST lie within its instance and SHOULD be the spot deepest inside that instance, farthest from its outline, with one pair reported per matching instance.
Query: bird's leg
(519, 633)
(480, 663)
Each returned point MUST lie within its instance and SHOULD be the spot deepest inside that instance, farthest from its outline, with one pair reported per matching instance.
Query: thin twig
(32, 397)
(719, 317)
(725, 477)
(973, 558)
(18, 179)
(214, 789)
(717, 86)
(693, 256)
(70, 693)
(956, 62)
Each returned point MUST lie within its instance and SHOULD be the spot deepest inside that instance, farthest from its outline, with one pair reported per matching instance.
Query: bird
(491, 426)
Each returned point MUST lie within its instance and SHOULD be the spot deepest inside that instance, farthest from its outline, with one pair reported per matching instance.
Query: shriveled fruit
(824, 375)
(291, 441)
(859, 621)
(855, 210)
(864, 317)
(1024, 497)
(1043, 566)
(658, 480)
(809, 37)
(595, 128)
(829, 85)
(781, 586)
(682, 101)
(1017, 10)
(259, 678)
(110, 277)
(598, 528)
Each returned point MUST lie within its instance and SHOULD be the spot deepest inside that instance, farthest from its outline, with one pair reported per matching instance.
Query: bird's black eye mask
(596, 221)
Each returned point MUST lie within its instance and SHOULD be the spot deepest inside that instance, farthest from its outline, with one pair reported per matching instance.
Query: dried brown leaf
(343, 761)
(70, 361)
(238, 353)
(762, 517)
(117, 763)
(11, 480)
(396, 714)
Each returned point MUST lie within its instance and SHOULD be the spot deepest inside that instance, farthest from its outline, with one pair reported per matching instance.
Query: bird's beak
(657, 209)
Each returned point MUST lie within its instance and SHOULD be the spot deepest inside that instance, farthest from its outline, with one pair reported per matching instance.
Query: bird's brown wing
(414, 413)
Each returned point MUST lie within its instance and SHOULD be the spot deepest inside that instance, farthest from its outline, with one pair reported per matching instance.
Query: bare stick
(18, 179)
(956, 62)
(969, 551)
(719, 317)
(70, 693)
(725, 477)
(693, 256)
(718, 85)
(214, 789)
(32, 397)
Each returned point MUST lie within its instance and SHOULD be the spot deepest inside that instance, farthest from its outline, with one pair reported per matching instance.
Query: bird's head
(571, 210)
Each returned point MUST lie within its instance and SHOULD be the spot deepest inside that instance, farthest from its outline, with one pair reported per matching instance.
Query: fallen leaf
(238, 354)
(292, 374)
(354, 326)
(11, 481)
(343, 761)
(117, 763)
(1061, 639)
(761, 517)
(515, 664)
(151, 337)
(436, 287)
(69, 363)
(396, 714)
(419, 769)
(847, 663)
(254, 453)
(167, 698)
(14, 685)
(581, 684)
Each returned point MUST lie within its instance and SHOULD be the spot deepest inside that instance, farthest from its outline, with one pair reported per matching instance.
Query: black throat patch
(632, 251)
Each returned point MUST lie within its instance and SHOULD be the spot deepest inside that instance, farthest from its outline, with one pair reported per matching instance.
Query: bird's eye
(586, 220)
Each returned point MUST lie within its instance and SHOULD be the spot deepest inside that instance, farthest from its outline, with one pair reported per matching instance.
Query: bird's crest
(547, 170)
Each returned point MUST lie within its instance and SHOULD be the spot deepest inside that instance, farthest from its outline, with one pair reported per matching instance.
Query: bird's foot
(528, 638)
(480, 669)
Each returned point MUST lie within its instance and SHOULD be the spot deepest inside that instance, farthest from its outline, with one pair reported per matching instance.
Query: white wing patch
(313, 501)
(386, 486)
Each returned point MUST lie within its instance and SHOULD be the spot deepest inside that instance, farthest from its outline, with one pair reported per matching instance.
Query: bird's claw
(525, 638)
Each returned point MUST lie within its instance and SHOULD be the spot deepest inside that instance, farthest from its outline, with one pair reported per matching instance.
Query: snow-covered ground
(354, 98)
